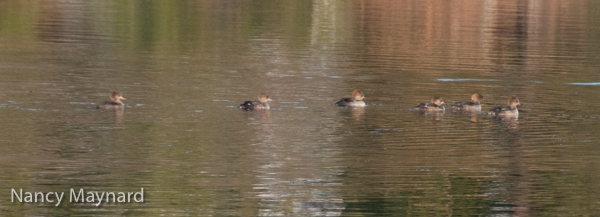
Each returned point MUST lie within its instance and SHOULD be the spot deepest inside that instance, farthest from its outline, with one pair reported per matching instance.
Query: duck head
(264, 98)
(513, 102)
(437, 101)
(476, 97)
(358, 95)
(116, 97)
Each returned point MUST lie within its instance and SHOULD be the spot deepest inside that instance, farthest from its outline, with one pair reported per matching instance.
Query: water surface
(184, 67)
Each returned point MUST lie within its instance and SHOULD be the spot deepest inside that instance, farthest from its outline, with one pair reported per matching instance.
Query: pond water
(184, 66)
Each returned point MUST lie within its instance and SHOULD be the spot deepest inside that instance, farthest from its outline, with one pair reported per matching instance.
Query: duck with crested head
(115, 102)
(356, 100)
(260, 104)
(472, 106)
(435, 105)
(513, 102)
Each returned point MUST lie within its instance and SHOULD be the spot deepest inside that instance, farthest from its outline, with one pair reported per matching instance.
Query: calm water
(184, 66)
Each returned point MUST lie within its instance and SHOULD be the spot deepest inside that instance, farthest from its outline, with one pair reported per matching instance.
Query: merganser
(435, 105)
(115, 102)
(513, 102)
(260, 104)
(472, 106)
(356, 100)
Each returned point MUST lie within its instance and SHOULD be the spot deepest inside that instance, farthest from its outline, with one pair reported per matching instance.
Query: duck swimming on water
(115, 102)
(260, 104)
(356, 100)
(513, 102)
(435, 105)
(472, 106)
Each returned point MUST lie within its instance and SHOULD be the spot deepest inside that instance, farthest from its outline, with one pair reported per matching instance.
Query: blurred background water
(184, 65)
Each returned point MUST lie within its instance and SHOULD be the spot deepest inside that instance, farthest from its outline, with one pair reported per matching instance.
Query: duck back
(252, 105)
(429, 107)
(466, 106)
(109, 105)
(349, 102)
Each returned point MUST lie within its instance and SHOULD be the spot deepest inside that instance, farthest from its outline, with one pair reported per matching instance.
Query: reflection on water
(433, 115)
(185, 66)
(357, 113)
(117, 115)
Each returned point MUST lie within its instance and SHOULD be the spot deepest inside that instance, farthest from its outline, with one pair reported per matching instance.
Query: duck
(260, 104)
(356, 100)
(115, 102)
(513, 102)
(472, 106)
(435, 105)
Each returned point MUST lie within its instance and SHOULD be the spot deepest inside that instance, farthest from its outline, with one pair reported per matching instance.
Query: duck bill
(122, 98)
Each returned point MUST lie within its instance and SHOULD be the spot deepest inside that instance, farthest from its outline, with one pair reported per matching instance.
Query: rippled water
(184, 66)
